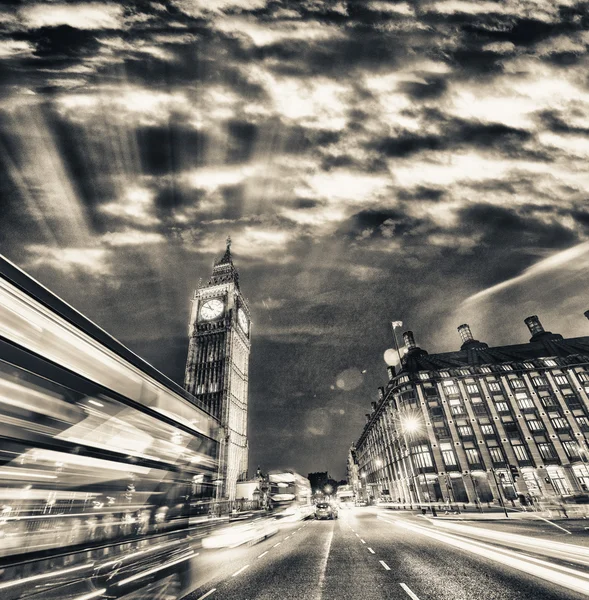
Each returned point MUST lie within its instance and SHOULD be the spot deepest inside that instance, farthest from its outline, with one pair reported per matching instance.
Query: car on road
(324, 510)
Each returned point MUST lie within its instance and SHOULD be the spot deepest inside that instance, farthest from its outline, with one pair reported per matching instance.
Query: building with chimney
(217, 365)
(482, 424)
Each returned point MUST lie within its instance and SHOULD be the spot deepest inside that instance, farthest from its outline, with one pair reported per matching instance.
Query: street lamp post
(501, 500)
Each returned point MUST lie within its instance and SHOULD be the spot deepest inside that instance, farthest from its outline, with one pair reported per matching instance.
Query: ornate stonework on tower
(217, 364)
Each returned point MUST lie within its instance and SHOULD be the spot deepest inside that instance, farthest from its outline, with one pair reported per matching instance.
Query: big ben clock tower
(217, 364)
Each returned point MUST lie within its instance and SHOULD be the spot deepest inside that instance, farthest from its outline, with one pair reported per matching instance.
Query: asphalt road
(369, 554)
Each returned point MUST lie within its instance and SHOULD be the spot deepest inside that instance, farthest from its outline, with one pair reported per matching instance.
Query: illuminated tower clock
(217, 364)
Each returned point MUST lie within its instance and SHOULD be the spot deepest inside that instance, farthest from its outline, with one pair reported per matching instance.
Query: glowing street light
(411, 424)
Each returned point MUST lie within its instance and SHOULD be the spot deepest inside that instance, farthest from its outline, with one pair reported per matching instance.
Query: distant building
(482, 424)
(217, 365)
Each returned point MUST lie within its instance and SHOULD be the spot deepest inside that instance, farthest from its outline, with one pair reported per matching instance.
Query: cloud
(95, 15)
(199, 8)
(71, 261)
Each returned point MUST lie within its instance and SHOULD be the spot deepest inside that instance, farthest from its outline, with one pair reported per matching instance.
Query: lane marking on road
(409, 592)
(276, 544)
(384, 564)
(371, 550)
(357, 536)
(323, 566)
(240, 571)
(208, 593)
(362, 541)
(263, 554)
(287, 537)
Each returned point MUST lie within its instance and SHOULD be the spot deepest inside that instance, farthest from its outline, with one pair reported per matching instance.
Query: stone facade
(507, 424)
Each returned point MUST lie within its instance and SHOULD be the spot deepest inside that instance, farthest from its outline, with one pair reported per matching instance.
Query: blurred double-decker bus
(290, 494)
(103, 460)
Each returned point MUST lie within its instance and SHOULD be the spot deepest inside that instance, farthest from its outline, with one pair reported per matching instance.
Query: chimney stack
(373, 406)
(367, 417)
(381, 393)
(465, 333)
(392, 372)
(409, 340)
(534, 325)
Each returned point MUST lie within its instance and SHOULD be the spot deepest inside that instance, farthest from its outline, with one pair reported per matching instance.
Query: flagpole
(393, 323)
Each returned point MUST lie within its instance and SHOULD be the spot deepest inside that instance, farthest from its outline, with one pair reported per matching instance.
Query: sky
(422, 161)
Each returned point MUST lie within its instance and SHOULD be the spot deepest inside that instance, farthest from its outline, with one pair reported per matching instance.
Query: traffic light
(514, 472)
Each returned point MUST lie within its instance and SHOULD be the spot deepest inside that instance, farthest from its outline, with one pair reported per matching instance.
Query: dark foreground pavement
(370, 553)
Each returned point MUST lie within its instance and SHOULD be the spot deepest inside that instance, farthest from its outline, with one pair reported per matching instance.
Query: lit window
(464, 372)
(549, 401)
(583, 376)
(561, 380)
(571, 448)
(494, 386)
(486, 370)
(517, 383)
(583, 421)
(550, 362)
(529, 365)
(506, 367)
(539, 381)
(448, 455)
(444, 374)
(472, 456)
(464, 430)
(560, 423)
(547, 450)
(535, 425)
(496, 455)
(521, 453)
(451, 389)
(424, 376)
(487, 430)
(422, 456)
(502, 407)
(472, 389)
(525, 402)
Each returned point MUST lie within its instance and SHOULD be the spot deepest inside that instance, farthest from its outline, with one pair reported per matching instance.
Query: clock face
(242, 320)
(211, 309)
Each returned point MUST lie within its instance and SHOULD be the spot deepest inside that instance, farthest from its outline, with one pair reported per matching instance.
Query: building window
(539, 381)
(486, 370)
(487, 430)
(572, 449)
(472, 456)
(506, 367)
(583, 376)
(448, 455)
(547, 451)
(561, 380)
(422, 456)
(424, 376)
(560, 423)
(494, 386)
(464, 430)
(444, 374)
(550, 362)
(464, 372)
(472, 389)
(451, 390)
(529, 365)
(549, 401)
(536, 425)
(525, 402)
(582, 421)
(502, 407)
(521, 453)
(517, 384)
(496, 455)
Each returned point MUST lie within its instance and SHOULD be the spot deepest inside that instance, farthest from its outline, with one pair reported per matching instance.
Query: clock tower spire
(217, 364)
